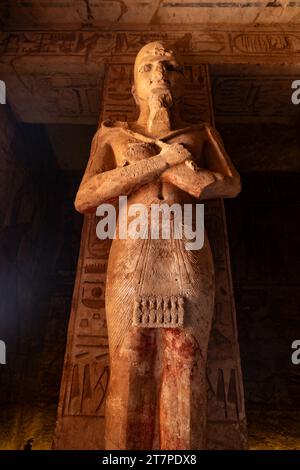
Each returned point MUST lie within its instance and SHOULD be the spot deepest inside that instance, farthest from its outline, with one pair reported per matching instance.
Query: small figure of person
(28, 445)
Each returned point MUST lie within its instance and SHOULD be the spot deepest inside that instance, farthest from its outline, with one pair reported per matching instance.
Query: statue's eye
(146, 68)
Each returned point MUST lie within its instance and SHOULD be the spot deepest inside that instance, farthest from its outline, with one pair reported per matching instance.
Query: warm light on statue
(157, 391)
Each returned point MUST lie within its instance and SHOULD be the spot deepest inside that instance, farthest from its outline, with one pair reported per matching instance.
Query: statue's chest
(129, 150)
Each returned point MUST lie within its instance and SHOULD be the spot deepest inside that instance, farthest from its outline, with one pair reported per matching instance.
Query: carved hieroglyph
(56, 76)
(81, 411)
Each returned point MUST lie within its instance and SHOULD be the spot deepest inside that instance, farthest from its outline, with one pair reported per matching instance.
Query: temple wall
(53, 58)
(263, 280)
(36, 280)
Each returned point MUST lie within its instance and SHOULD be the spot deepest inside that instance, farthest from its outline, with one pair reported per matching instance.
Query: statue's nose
(159, 71)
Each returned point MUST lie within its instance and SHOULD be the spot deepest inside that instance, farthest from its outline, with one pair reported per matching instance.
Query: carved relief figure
(159, 295)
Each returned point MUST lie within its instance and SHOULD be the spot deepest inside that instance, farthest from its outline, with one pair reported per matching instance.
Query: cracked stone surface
(35, 13)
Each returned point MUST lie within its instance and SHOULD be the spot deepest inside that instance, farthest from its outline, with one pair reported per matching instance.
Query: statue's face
(157, 69)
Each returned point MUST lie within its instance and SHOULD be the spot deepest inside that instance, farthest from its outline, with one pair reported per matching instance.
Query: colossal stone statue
(159, 295)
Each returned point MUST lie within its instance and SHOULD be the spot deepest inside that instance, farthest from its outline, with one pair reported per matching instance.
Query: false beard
(160, 103)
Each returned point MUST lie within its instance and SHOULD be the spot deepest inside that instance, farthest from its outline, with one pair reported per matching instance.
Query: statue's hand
(174, 154)
(191, 164)
(204, 172)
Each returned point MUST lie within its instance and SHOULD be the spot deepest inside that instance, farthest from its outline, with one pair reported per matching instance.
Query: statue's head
(157, 69)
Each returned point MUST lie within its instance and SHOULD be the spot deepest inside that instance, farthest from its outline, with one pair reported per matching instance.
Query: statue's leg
(183, 392)
(131, 401)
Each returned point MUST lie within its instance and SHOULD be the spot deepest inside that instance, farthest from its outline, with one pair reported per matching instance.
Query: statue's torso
(128, 149)
(147, 267)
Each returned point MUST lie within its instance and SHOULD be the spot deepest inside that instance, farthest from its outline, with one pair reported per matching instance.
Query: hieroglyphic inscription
(251, 97)
(266, 43)
(95, 45)
(56, 76)
(224, 378)
(87, 371)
